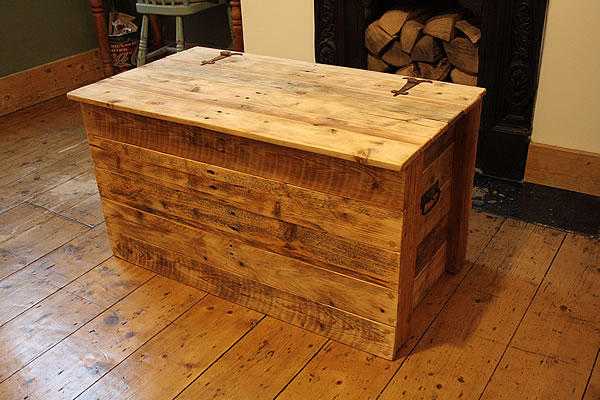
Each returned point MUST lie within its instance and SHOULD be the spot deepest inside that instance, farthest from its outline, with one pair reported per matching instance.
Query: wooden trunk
(312, 193)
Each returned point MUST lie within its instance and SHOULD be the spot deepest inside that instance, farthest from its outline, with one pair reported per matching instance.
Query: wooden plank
(431, 272)
(267, 268)
(415, 117)
(31, 156)
(568, 169)
(59, 315)
(259, 366)
(312, 137)
(171, 360)
(312, 171)
(81, 359)
(559, 337)
(327, 321)
(390, 121)
(341, 372)
(43, 82)
(28, 232)
(409, 255)
(326, 77)
(592, 390)
(338, 215)
(46, 178)
(23, 289)
(465, 147)
(461, 349)
(200, 211)
(77, 199)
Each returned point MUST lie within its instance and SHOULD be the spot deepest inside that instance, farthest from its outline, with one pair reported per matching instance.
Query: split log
(393, 20)
(375, 64)
(437, 72)
(441, 26)
(462, 78)
(472, 32)
(409, 34)
(463, 54)
(376, 39)
(396, 57)
(408, 70)
(427, 49)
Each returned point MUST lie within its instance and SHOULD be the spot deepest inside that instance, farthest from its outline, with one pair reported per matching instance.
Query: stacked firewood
(424, 44)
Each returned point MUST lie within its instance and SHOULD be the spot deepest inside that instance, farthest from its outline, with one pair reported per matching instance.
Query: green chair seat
(175, 8)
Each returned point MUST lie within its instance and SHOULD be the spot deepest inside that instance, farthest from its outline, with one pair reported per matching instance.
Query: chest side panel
(214, 210)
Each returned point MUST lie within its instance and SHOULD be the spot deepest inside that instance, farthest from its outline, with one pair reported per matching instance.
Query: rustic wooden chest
(327, 197)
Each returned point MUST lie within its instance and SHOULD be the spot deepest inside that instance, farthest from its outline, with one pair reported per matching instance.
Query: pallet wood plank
(170, 361)
(567, 302)
(236, 257)
(328, 251)
(328, 321)
(53, 319)
(320, 173)
(24, 288)
(259, 366)
(78, 361)
(339, 215)
(240, 117)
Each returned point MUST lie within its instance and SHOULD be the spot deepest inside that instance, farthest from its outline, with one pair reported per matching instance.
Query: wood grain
(173, 359)
(28, 233)
(76, 199)
(46, 81)
(273, 349)
(340, 216)
(312, 171)
(463, 171)
(316, 247)
(327, 321)
(339, 371)
(241, 259)
(81, 359)
(48, 274)
(568, 169)
(293, 125)
(50, 321)
(568, 302)
(461, 349)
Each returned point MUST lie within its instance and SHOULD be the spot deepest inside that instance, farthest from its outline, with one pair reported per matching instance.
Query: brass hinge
(224, 54)
(410, 83)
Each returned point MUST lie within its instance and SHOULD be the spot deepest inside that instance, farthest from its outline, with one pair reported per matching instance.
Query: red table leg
(98, 12)
(236, 25)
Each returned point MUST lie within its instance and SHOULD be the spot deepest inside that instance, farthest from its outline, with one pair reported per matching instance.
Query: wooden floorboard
(521, 321)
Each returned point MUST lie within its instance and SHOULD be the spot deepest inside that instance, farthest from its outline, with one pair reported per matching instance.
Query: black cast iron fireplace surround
(512, 33)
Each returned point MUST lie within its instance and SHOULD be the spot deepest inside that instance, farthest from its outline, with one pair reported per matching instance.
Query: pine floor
(521, 321)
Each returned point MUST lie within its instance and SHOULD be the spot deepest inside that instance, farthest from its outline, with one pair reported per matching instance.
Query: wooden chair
(176, 8)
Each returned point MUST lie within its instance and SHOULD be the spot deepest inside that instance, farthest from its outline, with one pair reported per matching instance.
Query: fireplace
(509, 52)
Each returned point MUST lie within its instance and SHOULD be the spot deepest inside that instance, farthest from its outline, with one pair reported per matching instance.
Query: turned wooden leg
(237, 33)
(465, 150)
(179, 44)
(102, 35)
(156, 31)
(143, 47)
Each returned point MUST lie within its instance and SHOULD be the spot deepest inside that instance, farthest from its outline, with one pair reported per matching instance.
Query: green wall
(35, 32)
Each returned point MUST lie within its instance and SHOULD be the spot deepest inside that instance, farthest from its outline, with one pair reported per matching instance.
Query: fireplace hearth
(509, 55)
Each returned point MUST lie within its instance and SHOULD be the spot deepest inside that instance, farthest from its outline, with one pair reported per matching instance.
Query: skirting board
(32, 86)
(574, 170)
